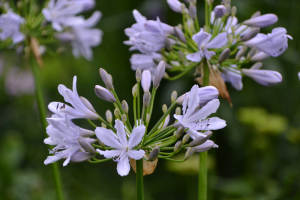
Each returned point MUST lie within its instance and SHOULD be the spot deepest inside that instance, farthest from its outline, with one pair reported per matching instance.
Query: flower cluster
(34, 24)
(126, 140)
(223, 45)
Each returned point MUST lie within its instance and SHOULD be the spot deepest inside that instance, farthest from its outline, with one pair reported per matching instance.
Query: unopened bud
(177, 146)
(251, 34)
(154, 154)
(230, 38)
(257, 65)
(103, 125)
(88, 104)
(117, 112)
(179, 132)
(259, 56)
(86, 145)
(228, 9)
(146, 99)
(125, 106)
(101, 143)
(219, 11)
(159, 73)
(224, 55)
(189, 152)
(251, 53)
(193, 11)
(173, 96)
(201, 139)
(233, 11)
(181, 55)
(138, 75)
(256, 14)
(134, 90)
(104, 94)
(164, 108)
(185, 138)
(178, 111)
(262, 21)
(108, 116)
(146, 80)
(107, 79)
(179, 34)
(147, 118)
(239, 54)
(233, 29)
(168, 44)
(124, 118)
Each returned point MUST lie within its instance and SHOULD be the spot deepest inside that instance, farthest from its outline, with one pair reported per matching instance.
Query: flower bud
(146, 99)
(86, 146)
(117, 112)
(251, 34)
(233, 11)
(81, 156)
(154, 154)
(263, 77)
(256, 14)
(193, 11)
(179, 132)
(224, 55)
(180, 56)
(147, 118)
(185, 138)
(201, 139)
(108, 116)
(164, 108)
(146, 80)
(124, 118)
(219, 11)
(259, 56)
(103, 125)
(138, 75)
(230, 38)
(189, 152)
(206, 146)
(134, 90)
(175, 5)
(239, 54)
(168, 44)
(262, 21)
(107, 79)
(101, 143)
(159, 73)
(177, 146)
(257, 65)
(228, 9)
(179, 34)
(178, 111)
(233, 29)
(104, 94)
(125, 106)
(251, 53)
(88, 104)
(173, 96)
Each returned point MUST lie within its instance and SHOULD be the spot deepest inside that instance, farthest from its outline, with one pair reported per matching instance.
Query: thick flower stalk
(224, 45)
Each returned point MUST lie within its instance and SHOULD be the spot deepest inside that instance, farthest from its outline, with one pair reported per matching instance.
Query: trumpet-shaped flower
(195, 118)
(123, 147)
(65, 134)
(10, 27)
(273, 44)
(79, 109)
(263, 77)
(203, 41)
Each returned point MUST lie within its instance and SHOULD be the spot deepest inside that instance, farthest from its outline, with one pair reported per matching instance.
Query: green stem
(182, 73)
(202, 186)
(139, 180)
(42, 114)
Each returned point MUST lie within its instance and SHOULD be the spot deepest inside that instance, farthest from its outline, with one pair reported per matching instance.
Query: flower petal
(108, 138)
(205, 111)
(136, 155)
(213, 123)
(219, 41)
(121, 132)
(110, 153)
(136, 136)
(195, 57)
(123, 167)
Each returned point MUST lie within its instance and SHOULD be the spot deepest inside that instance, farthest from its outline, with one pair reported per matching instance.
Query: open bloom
(10, 27)
(79, 109)
(145, 61)
(203, 41)
(273, 44)
(123, 147)
(65, 134)
(195, 118)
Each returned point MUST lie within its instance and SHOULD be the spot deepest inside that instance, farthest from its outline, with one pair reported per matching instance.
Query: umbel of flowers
(28, 26)
(219, 50)
(122, 139)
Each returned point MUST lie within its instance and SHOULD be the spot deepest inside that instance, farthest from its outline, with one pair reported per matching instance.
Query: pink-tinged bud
(159, 73)
(206, 94)
(262, 21)
(146, 80)
(263, 77)
(205, 146)
(175, 5)
(104, 94)
(219, 11)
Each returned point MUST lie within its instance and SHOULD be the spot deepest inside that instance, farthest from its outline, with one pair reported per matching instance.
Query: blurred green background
(258, 154)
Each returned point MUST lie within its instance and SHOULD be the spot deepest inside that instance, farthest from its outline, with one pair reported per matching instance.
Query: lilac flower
(233, 76)
(195, 118)
(263, 77)
(262, 21)
(206, 146)
(203, 41)
(145, 61)
(10, 27)
(123, 147)
(259, 56)
(86, 4)
(80, 110)
(175, 5)
(146, 80)
(273, 44)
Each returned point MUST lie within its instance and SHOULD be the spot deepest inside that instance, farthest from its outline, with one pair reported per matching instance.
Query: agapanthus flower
(204, 43)
(145, 61)
(232, 76)
(263, 77)
(65, 135)
(86, 4)
(79, 109)
(123, 147)
(10, 27)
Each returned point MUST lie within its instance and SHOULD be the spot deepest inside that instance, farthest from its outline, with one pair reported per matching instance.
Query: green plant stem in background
(139, 180)
(42, 114)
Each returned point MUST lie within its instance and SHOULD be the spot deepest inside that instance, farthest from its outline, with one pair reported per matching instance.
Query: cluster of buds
(223, 45)
(126, 140)
(29, 27)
